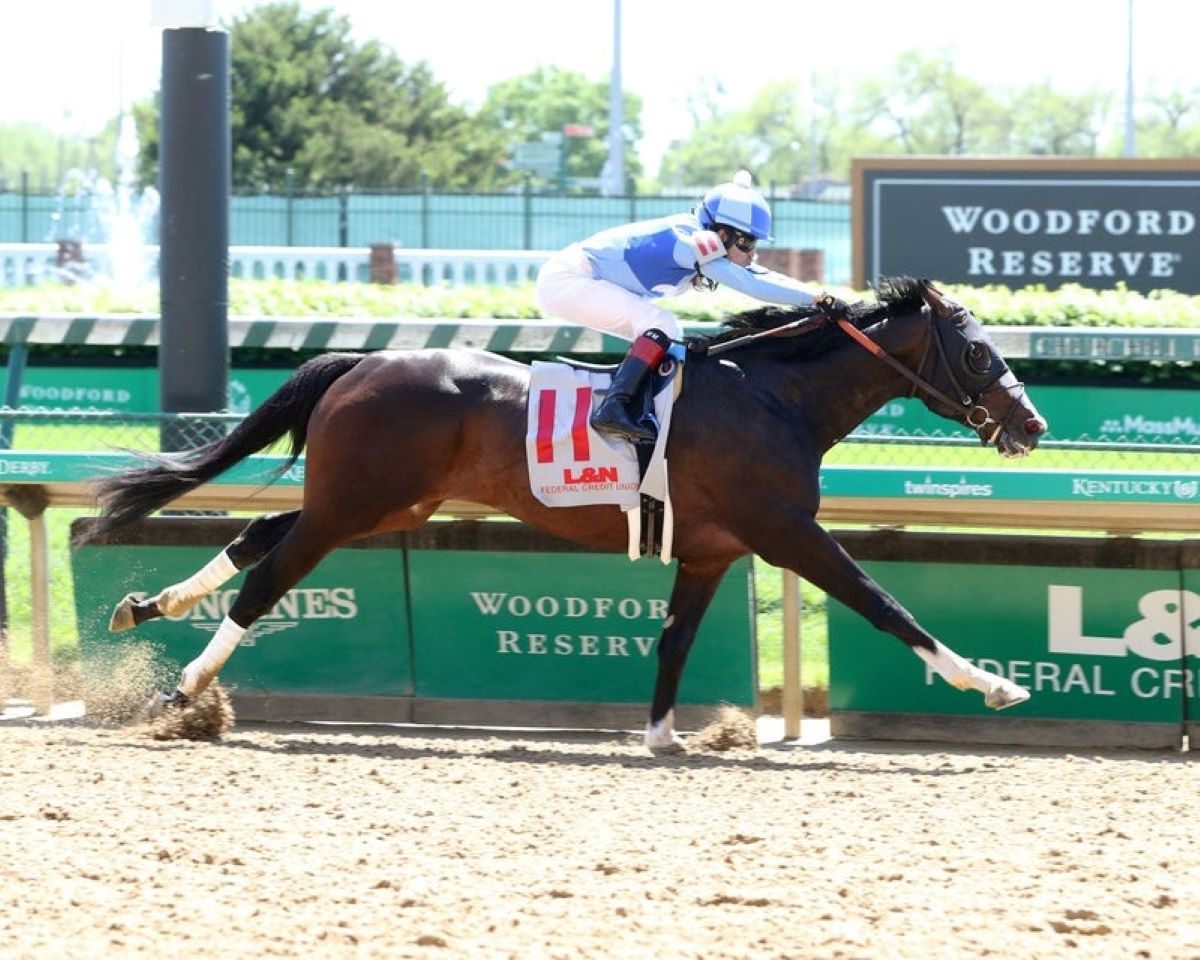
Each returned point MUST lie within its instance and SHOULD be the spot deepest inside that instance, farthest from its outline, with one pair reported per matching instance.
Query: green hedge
(1033, 306)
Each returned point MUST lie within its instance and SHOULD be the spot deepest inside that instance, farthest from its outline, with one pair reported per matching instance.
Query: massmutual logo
(1138, 425)
(566, 626)
(950, 489)
(1140, 488)
(305, 605)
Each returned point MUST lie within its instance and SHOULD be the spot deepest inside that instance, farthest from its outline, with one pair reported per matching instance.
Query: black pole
(194, 184)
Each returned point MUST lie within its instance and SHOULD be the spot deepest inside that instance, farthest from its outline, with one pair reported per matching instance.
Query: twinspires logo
(637, 622)
(295, 607)
(932, 488)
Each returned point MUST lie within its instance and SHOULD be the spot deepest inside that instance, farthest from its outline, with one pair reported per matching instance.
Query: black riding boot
(612, 416)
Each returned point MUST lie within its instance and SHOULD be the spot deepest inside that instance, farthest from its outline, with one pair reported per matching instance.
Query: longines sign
(1027, 221)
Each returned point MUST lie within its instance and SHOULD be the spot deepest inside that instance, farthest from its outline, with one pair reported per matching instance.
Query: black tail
(131, 495)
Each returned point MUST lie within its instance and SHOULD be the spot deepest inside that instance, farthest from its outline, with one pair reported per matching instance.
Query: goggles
(744, 241)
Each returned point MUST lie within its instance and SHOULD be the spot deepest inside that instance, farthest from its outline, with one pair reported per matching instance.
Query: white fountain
(112, 222)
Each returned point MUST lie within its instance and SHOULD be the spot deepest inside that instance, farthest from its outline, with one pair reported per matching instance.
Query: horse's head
(977, 388)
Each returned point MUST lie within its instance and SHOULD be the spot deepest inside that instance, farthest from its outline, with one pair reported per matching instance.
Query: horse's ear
(935, 298)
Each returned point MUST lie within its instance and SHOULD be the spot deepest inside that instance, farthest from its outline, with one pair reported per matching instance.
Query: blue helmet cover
(737, 204)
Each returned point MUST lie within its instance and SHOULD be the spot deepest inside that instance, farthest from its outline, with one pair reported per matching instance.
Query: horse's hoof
(122, 615)
(1005, 694)
(661, 739)
(161, 702)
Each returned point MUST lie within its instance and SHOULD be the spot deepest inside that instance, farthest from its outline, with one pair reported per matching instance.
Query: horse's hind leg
(251, 545)
(300, 549)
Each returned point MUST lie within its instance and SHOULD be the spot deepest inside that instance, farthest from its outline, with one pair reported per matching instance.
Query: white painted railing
(23, 264)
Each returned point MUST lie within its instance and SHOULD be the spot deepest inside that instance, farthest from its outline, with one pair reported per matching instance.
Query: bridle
(976, 416)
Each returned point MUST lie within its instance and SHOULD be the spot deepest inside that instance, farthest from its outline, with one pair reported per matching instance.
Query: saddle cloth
(571, 465)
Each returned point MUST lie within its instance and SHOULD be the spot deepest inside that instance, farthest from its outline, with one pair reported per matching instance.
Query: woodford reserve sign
(1017, 222)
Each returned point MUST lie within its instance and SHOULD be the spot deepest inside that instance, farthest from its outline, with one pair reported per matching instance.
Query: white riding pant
(567, 289)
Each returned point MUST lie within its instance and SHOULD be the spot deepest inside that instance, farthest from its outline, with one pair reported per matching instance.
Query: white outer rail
(24, 264)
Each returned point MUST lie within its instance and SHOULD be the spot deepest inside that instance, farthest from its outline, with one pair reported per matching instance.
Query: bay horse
(390, 436)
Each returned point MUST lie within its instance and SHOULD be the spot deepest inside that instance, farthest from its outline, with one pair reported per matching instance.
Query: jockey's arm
(757, 282)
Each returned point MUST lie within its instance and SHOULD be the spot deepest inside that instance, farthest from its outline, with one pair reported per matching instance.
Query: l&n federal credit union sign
(1022, 221)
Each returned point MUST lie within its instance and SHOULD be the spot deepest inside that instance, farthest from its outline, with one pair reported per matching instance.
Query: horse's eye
(979, 357)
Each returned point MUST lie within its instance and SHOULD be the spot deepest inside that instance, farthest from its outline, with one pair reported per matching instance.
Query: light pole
(614, 169)
(1130, 149)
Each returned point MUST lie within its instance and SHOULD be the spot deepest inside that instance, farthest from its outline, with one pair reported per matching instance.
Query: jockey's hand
(832, 306)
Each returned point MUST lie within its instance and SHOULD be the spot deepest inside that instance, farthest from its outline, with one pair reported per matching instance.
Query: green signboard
(454, 611)
(341, 630)
(553, 626)
(1110, 486)
(130, 389)
(1074, 413)
(119, 389)
(1089, 644)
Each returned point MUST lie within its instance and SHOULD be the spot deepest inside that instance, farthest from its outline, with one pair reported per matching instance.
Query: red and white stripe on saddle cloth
(570, 464)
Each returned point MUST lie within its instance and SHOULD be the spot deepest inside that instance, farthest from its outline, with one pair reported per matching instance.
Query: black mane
(895, 296)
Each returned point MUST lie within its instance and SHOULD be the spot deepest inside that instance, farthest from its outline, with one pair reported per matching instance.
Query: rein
(788, 329)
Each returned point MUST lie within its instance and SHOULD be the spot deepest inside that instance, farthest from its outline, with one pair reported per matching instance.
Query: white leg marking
(181, 597)
(998, 692)
(200, 672)
(661, 736)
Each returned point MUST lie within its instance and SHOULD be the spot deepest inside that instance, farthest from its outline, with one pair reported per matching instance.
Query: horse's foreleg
(690, 596)
(998, 692)
(251, 545)
(826, 564)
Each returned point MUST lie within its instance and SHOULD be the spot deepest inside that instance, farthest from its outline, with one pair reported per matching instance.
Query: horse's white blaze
(998, 692)
(181, 597)
(200, 672)
(661, 736)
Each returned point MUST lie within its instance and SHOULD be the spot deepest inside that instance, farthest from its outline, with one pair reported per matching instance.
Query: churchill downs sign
(1027, 221)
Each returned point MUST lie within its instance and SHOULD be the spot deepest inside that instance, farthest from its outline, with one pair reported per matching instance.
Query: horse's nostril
(1035, 426)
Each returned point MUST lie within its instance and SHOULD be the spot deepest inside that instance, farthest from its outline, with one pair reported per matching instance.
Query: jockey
(608, 282)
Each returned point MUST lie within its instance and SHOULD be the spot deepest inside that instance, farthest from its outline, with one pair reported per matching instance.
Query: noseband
(976, 415)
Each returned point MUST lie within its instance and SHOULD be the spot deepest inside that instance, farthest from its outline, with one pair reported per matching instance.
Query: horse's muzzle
(1020, 442)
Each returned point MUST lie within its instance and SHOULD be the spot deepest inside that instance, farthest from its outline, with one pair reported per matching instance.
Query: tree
(1049, 123)
(925, 106)
(547, 99)
(306, 99)
(48, 159)
(1169, 125)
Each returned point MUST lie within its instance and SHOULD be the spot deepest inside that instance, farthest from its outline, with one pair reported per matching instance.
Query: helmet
(736, 204)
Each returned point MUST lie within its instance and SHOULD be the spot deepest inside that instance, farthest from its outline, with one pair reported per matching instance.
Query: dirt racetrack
(315, 841)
